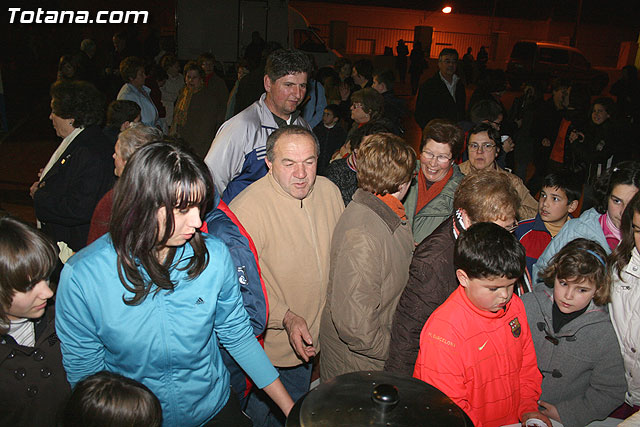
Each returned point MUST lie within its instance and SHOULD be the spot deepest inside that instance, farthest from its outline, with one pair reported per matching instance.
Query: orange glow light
(446, 9)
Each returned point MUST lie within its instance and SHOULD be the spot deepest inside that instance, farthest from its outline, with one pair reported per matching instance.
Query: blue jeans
(262, 410)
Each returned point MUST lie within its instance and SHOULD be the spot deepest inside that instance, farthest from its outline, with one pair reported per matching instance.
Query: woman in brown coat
(370, 255)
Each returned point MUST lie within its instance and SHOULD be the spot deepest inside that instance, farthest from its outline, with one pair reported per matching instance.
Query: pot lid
(376, 399)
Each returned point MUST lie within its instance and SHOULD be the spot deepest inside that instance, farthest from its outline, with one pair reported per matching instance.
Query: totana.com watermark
(40, 16)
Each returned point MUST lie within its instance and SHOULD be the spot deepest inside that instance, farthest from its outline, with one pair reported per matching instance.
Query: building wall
(601, 43)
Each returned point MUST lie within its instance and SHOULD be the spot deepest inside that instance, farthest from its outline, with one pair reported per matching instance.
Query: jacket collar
(633, 268)
(544, 298)
(280, 191)
(379, 208)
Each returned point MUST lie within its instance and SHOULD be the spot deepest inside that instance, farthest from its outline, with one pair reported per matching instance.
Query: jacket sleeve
(440, 363)
(356, 296)
(606, 390)
(565, 235)
(83, 353)
(226, 154)
(422, 295)
(530, 376)
(234, 330)
(222, 223)
(71, 200)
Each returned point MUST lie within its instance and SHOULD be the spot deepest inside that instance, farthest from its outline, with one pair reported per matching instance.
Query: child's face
(619, 198)
(636, 229)
(571, 296)
(553, 205)
(488, 294)
(328, 118)
(30, 304)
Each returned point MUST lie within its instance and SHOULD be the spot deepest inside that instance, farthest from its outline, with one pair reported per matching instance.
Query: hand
(546, 142)
(299, 336)
(34, 187)
(550, 410)
(538, 415)
(508, 145)
(575, 135)
(40, 172)
(345, 91)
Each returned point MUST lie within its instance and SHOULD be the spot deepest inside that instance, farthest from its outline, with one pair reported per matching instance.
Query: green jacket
(436, 211)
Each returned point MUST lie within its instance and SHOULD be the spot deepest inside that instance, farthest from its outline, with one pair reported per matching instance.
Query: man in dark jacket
(395, 109)
(443, 95)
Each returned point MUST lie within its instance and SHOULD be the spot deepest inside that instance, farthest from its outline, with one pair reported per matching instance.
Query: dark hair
(448, 51)
(335, 110)
(364, 67)
(487, 250)
(566, 182)
(371, 100)
(282, 62)
(193, 66)
(579, 260)
(607, 103)
(624, 173)
(121, 111)
(485, 109)
(444, 132)
(385, 162)
(110, 399)
(205, 56)
(27, 257)
(486, 196)
(159, 175)
(621, 255)
(129, 67)
(289, 130)
(77, 100)
(385, 77)
(77, 63)
(492, 133)
(341, 62)
(557, 84)
(167, 61)
(381, 125)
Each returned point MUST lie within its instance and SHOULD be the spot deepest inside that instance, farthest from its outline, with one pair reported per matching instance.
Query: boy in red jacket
(476, 347)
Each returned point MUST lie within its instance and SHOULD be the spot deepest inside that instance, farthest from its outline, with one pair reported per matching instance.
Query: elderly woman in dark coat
(80, 171)
(370, 255)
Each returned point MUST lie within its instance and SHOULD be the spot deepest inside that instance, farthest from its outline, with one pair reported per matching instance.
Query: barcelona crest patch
(515, 327)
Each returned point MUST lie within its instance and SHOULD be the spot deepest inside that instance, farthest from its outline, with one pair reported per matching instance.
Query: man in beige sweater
(290, 214)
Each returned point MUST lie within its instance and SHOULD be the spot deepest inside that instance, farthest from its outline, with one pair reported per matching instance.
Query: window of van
(523, 51)
(554, 56)
(579, 61)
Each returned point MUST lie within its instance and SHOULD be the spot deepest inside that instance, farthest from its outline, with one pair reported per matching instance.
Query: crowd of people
(217, 241)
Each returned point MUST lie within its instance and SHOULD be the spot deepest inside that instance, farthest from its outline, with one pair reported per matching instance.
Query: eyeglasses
(474, 146)
(356, 105)
(497, 125)
(441, 158)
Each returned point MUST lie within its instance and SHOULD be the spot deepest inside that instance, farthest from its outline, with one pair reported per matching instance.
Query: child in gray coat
(576, 346)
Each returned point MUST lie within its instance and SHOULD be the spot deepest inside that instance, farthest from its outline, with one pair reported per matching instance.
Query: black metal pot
(376, 399)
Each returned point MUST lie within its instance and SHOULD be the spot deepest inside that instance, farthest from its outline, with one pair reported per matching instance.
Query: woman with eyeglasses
(430, 199)
(484, 145)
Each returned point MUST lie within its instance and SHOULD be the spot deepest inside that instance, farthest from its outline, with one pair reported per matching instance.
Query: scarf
(426, 193)
(611, 232)
(395, 204)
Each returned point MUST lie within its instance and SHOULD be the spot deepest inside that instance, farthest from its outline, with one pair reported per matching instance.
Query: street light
(446, 9)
